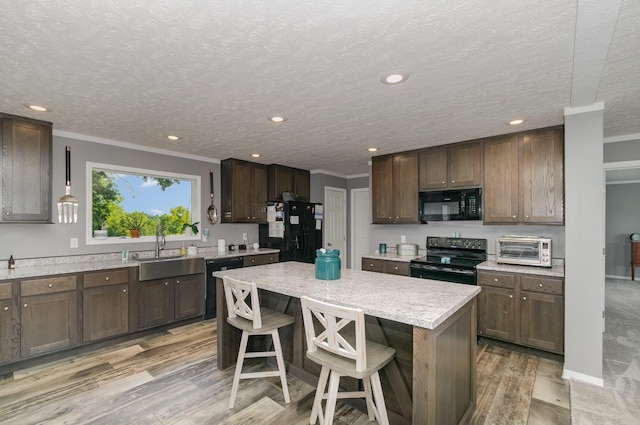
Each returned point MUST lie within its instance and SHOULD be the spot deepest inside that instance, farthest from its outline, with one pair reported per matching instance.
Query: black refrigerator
(295, 228)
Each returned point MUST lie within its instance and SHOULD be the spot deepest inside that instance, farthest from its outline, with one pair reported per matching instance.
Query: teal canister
(328, 264)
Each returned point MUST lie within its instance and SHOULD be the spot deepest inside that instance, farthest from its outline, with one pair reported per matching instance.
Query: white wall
(584, 260)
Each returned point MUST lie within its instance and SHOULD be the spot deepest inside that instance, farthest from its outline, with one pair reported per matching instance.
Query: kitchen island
(431, 324)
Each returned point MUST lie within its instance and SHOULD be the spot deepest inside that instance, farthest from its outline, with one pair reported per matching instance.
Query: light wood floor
(171, 378)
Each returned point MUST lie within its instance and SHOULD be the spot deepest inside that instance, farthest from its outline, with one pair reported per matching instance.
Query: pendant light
(68, 204)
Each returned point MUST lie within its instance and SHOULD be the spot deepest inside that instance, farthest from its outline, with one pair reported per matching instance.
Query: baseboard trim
(611, 276)
(569, 374)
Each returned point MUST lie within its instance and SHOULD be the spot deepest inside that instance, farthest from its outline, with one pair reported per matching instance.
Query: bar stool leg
(332, 397)
(236, 376)
(366, 383)
(380, 405)
(316, 411)
(281, 368)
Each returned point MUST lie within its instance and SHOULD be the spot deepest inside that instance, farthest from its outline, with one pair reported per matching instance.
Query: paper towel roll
(222, 245)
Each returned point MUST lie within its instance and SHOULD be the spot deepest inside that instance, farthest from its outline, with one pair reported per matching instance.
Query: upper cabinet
(288, 179)
(244, 191)
(524, 178)
(394, 186)
(26, 170)
(452, 166)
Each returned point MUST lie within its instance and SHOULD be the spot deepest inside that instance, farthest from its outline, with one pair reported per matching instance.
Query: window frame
(195, 203)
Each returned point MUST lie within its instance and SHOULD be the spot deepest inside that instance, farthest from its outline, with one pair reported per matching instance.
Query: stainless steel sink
(159, 268)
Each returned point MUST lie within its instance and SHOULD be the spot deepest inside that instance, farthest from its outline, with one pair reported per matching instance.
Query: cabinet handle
(166, 283)
(526, 216)
(444, 182)
(124, 290)
(106, 278)
(395, 268)
(453, 181)
(495, 279)
(25, 305)
(510, 296)
(177, 281)
(6, 308)
(51, 285)
(540, 285)
(7, 213)
(370, 265)
(514, 216)
(524, 298)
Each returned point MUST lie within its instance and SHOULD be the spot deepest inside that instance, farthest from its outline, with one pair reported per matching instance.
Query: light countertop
(557, 270)
(96, 262)
(418, 302)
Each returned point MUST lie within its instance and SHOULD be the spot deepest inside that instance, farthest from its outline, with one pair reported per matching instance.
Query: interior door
(335, 220)
(360, 220)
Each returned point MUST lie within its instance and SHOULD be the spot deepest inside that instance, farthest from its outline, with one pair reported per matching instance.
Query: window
(129, 203)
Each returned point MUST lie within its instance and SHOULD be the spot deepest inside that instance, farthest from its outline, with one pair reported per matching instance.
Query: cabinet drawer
(5, 291)
(48, 285)
(502, 280)
(373, 265)
(397, 267)
(541, 284)
(107, 277)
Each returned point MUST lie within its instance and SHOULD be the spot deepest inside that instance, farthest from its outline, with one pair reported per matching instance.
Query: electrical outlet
(74, 242)
(403, 239)
(244, 237)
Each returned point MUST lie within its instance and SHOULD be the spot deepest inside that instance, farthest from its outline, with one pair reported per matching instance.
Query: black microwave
(446, 205)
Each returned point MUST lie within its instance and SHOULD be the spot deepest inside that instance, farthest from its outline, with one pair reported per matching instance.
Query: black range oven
(450, 260)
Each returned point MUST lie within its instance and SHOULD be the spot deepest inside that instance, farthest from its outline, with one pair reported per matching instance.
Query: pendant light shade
(68, 204)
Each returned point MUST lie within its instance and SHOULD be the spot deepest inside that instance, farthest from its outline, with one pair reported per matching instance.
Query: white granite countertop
(557, 270)
(418, 302)
(95, 262)
(393, 256)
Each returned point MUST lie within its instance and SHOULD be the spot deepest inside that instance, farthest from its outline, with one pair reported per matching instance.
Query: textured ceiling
(212, 72)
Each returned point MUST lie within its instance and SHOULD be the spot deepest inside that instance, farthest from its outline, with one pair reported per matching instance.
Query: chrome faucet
(160, 239)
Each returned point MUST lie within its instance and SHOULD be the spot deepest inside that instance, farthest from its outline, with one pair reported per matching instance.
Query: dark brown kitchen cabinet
(288, 179)
(400, 268)
(164, 301)
(452, 166)
(524, 178)
(189, 300)
(26, 169)
(244, 191)
(48, 314)
(260, 259)
(394, 186)
(105, 304)
(9, 328)
(522, 309)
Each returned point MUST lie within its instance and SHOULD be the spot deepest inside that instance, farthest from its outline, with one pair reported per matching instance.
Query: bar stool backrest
(330, 334)
(242, 300)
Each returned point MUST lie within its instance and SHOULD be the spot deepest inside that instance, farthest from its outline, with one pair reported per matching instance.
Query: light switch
(74, 242)
(403, 239)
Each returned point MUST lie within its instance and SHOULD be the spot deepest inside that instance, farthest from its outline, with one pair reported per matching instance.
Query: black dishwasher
(216, 265)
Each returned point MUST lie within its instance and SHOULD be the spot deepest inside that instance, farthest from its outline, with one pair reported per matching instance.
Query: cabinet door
(303, 184)
(48, 322)
(105, 311)
(26, 170)
(501, 180)
(400, 268)
(499, 315)
(189, 296)
(465, 165)
(382, 189)
(405, 187)
(433, 168)
(542, 321)
(281, 179)
(259, 194)
(373, 265)
(259, 260)
(543, 176)
(155, 298)
(7, 326)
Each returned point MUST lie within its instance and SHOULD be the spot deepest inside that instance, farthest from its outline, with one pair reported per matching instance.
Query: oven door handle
(442, 269)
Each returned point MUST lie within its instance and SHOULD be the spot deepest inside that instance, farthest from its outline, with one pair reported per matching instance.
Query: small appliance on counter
(407, 249)
(524, 250)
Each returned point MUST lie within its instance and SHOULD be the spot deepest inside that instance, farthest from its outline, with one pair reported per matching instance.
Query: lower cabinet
(105, 304)
(522, 309)
(400, 268)
(260, 259)
(48, 314)
(165, 300)
(8, 324)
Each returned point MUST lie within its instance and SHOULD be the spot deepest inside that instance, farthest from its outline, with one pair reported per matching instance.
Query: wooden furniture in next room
(635, 258)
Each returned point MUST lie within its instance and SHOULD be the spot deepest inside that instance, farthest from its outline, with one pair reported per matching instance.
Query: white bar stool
(245, 314)
(341, 348)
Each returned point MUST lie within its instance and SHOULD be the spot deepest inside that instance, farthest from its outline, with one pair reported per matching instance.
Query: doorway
(335, 220)
(360, 219)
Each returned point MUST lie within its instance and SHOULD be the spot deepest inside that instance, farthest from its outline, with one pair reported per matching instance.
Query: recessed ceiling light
(38, 108)
(394, 78)
(373, 149)
(172, 137)
(255, 155)
(277, 118)
(516, 122)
